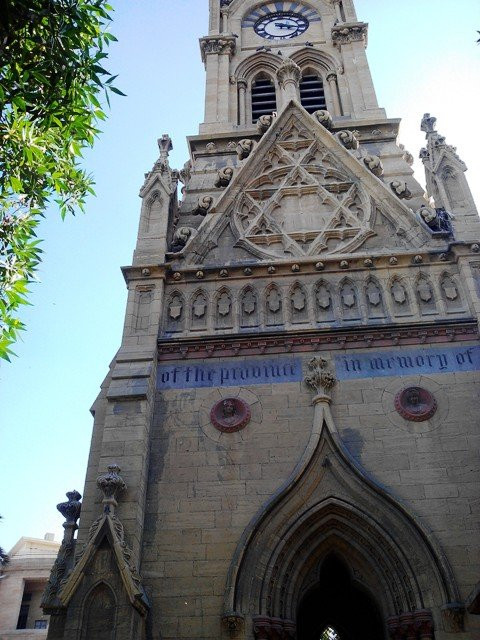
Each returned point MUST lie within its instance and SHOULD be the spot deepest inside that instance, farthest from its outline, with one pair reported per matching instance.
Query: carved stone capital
(288, 72)
(347, 33)
(233, 623)
(217, 45)
(331, 76)
(242, 84)
(320, 378)
(110, 484)
(453, 615)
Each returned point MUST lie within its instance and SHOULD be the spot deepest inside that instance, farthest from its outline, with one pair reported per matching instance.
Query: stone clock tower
(286, 445)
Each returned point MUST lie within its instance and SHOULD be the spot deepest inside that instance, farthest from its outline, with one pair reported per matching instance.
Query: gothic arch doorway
(338, 608)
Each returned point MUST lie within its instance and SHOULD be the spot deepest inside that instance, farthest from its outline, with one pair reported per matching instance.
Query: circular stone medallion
(415, 404)
(230, 415)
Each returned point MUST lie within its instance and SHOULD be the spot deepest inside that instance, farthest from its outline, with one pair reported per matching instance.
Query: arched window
(312, 95)
(264, 97)
(330, 634)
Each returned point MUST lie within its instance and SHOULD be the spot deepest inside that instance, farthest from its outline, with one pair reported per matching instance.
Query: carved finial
(348, 140)
(320, 378)
(204, 205)
(400, 188)
(110, 484)
(374, 164)
(71, 510)
(428, 124)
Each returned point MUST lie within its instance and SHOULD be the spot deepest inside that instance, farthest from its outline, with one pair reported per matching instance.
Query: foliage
(51, 80)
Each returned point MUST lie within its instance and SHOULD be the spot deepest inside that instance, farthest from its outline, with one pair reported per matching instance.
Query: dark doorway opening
(337, 608)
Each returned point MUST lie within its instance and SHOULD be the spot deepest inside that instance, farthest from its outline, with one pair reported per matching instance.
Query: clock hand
(283, 25)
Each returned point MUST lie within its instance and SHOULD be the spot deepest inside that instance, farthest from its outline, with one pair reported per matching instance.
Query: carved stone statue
(180, 238)
(400, 188)
(428, 123)
(348, 140)
(264, 123)
(324, 118)
(203, 206)
(438, 220)
(244, 148)
(374, 164)
(224, 177)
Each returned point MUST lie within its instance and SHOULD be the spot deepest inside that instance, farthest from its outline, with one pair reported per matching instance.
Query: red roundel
(230, 415)
(415, 404)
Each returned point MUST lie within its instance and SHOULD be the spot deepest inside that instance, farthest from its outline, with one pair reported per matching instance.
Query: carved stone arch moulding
(256, 63)
(330, 503)
(320, 60)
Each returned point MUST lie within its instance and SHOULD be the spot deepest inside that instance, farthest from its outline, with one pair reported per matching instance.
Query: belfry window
(312, 95)
(264, 98)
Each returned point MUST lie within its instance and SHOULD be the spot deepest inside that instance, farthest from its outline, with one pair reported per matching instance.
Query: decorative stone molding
(453, 615)
(320, 378)
(348, 140)
(217, 45)
(264, 123)
(110, 484)
(244, 148)
(400, 188)
(204, 205)
(374, 164)
(324, 118)
(347, 33)
(224, 177)
(415, 404)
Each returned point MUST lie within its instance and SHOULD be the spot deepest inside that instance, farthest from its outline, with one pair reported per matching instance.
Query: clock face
(281, 25)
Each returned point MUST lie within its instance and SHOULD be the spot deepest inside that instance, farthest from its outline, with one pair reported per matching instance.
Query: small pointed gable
(301, 193)
(107, 530)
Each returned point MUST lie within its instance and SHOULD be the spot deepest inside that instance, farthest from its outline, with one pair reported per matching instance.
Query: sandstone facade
(290, 424)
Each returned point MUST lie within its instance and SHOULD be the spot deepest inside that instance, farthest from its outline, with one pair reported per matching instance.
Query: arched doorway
(338, 608)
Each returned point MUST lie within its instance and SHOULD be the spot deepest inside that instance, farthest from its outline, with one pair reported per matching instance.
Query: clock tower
(284, 445)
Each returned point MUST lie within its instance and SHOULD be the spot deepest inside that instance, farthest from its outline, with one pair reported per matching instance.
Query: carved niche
(425, 296)
(224, 310)
(100, 614)
(199, 310)
(175, 312)
(374, 298)
(248, 308)
(451, 294)
(324, 307)
(273, 306)
(302, 201)
(400, 298)
(298, 304)
(349, 301)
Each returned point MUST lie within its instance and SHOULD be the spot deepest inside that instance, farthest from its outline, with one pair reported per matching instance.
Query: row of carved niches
(348, 300)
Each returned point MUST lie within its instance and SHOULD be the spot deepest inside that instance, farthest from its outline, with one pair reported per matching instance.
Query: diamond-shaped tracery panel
(302, 202)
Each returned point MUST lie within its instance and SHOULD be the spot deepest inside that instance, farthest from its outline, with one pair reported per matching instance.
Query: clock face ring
(282, 25)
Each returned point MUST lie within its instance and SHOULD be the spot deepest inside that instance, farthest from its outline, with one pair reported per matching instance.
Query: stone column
(338, 10)
(242, 101)
(333, 85)
(216, 53)
(224, 19)
(288, 76)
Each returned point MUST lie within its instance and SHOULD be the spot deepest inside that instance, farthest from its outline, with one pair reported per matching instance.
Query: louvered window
(312, 95)
(264, 99)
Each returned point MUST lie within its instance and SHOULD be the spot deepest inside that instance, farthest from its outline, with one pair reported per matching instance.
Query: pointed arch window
(264, 97)
(329, 634)
(312, 94)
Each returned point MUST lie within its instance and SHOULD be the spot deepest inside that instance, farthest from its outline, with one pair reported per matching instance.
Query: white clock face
(281, 26)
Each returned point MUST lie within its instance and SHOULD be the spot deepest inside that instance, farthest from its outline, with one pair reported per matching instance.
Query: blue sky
(422, 59)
